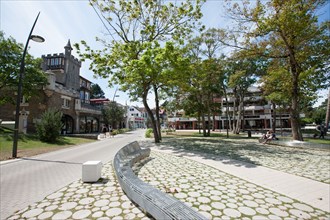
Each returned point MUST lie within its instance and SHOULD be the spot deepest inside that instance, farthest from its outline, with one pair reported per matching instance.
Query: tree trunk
(234, 114)
(157, 113)
(227, 110)
(208, 117)
(327, 117)
(239, 120)
(294, 111)
(151, 116)
(274, 117)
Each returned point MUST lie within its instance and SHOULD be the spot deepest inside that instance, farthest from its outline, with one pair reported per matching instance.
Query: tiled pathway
(305, 162)
(101, 200)
(218, 195)
(215, 194)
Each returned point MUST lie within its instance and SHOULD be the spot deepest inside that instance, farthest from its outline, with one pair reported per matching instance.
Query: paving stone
(51, 207)
(300, 214)
(113, 212)
(97, 214)
(203, 199)
(86, 201)
(43, 204)
(250, 203)
(231, 205)
(205, 207)
(62, 215)
(232, 213)
(67, 206)
(218, 205)
(95, 192)
(278, 212)
(247, 211)
(81, 214)
(127, 205)
(216, 213)
(194, 194)
(114, 204)
(180, 195)
(32, 213)
(303, 207)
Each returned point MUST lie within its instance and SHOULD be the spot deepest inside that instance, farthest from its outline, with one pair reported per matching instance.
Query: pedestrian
(104, 131)
(321, 129)
(110, 131)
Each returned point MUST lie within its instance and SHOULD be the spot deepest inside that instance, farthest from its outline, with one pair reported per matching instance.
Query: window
(66, 103)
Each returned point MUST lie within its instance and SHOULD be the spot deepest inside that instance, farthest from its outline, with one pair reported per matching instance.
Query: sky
(76, 20)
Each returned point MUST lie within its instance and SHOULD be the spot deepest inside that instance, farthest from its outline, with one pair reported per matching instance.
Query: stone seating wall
(153, 201)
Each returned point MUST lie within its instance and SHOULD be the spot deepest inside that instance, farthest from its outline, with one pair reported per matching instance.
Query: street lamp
(35, 38)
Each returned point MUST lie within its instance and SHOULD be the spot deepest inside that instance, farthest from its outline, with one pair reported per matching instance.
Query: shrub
(50, 126)
(148, 133)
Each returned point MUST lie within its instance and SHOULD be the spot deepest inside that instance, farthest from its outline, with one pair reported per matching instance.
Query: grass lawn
(30, 145)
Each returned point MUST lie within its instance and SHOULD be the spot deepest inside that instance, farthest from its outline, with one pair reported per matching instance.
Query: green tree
(96, 92)
(297, 45)
(10, 58)
(113, 114)
(132, 57)
(49, 128)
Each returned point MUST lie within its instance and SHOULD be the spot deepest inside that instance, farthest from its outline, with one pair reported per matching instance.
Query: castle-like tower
(65, 67)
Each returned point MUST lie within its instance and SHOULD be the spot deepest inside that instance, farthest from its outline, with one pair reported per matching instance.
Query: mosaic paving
(309, 163)
(218, 195)
(101, 200)
(215, 194)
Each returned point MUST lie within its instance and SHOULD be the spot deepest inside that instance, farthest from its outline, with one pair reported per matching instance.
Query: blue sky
(60, 21)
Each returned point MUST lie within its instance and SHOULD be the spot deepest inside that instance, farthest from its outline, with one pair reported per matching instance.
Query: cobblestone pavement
(101, 200)
(213, 193)
(218, 195)
(305, 162)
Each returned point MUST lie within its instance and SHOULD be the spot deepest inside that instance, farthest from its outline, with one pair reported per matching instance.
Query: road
(28, 180)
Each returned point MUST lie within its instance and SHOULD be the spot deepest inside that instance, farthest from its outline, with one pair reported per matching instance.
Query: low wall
(153, 201)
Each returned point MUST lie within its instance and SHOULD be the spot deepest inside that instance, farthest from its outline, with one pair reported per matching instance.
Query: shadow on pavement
(49, 161)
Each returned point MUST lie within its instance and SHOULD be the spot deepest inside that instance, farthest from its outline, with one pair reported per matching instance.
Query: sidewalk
(217, 187)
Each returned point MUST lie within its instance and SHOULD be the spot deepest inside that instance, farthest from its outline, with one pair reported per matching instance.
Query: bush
(49, 128)
(148, 133)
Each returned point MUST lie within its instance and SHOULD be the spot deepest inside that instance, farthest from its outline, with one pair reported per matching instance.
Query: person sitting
(270, 135)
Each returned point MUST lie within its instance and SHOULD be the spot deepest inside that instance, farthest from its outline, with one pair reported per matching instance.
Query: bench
(153, 201)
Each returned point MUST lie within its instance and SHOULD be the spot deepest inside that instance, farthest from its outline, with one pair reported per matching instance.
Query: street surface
(28, 180)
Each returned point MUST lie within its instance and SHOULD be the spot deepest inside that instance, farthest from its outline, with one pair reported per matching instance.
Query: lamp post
(19, 90)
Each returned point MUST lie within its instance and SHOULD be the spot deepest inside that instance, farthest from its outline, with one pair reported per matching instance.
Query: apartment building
(258, 114)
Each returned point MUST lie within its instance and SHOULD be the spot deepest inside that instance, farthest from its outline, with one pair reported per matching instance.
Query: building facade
(66, 91)
(257, 114)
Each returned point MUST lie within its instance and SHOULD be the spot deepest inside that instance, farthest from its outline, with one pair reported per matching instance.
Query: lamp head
(37, 38)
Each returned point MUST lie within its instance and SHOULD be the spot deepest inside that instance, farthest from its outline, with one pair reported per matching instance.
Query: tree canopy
(289, 35)
(10, 58)
(96, 92)
(136, 55)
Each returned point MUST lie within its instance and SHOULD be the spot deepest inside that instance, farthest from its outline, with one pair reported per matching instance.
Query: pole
(19, 91)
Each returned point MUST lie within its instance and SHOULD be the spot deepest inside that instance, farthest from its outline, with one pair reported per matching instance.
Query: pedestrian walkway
(217, 187)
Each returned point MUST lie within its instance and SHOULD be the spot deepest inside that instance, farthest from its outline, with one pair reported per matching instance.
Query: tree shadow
(232, 152)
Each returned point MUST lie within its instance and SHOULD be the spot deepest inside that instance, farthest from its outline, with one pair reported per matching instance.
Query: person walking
(321, 129)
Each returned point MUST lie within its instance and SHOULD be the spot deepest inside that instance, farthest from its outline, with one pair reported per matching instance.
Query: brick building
(66, 91)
